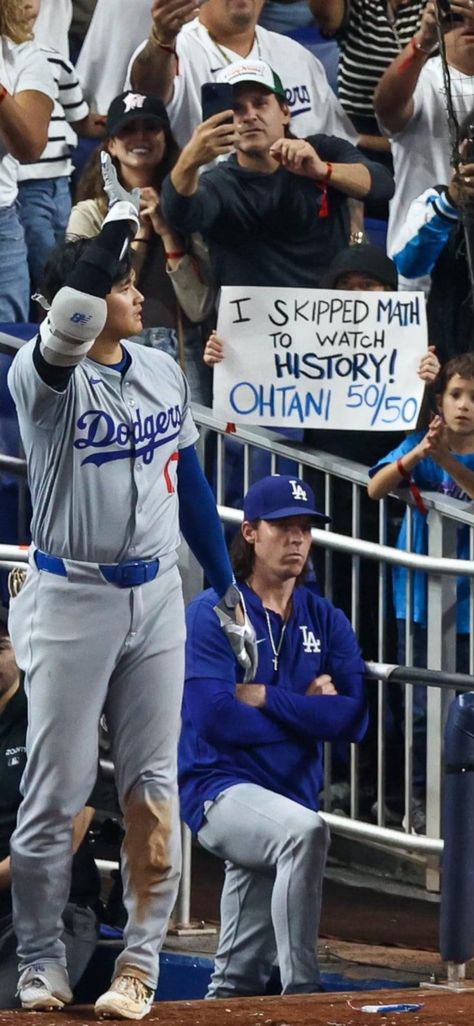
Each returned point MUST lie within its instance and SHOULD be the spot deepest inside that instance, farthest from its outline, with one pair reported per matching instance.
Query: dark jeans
(80, 937)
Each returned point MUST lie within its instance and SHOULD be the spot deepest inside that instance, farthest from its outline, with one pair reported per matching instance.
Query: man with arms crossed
(250, 755)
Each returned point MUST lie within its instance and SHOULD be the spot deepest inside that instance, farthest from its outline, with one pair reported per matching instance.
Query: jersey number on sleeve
(170, 483)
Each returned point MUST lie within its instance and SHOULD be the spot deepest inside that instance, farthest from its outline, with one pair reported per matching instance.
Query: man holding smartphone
(192, 42)
(276, 212)
(411, 105)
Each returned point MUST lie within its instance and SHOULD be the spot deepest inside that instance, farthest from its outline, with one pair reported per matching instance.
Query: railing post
(441, 655)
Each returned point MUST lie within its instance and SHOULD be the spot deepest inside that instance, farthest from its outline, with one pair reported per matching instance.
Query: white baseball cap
(252, 71)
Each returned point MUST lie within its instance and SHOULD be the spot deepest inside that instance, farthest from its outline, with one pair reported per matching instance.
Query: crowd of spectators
(276, 190)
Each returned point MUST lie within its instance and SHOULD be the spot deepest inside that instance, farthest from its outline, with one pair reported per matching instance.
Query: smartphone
(446, 13)
(216, 97)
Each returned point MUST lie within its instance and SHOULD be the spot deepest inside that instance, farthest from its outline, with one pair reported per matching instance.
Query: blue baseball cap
(279, 496)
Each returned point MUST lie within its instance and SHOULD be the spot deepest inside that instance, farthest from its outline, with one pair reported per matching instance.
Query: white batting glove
(239, 630)
(123, 205)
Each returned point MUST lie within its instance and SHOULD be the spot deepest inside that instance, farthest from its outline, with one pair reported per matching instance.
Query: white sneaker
(127, 998)
(44, 986)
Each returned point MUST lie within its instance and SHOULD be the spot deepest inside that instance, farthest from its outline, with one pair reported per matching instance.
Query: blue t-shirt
(429, 475)
(225, 742)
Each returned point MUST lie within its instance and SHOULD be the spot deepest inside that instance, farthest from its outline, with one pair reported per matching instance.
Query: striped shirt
(69, 106)
(372, 36)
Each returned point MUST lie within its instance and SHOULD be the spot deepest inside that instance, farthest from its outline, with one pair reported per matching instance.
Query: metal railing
(365, 540)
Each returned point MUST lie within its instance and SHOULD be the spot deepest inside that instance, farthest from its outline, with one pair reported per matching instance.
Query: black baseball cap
(130, 106)
(361, 259)
(281, 495)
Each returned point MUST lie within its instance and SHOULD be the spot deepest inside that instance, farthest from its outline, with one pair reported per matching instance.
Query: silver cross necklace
(276, 649)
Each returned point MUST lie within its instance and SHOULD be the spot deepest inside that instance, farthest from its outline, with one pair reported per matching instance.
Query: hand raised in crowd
(299, 156)
(211, 139)
(322, 685)
(427, 35)
(169, 16)
(460, 190)
(429, 366)
(214, 350)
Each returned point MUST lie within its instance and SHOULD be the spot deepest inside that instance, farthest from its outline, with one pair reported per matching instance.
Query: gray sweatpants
(87, 646)
(275, 852)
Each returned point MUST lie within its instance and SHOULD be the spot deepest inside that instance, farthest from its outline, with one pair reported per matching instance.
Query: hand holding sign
(214, 350)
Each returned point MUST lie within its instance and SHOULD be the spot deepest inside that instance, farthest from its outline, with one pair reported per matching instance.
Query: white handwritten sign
(319, 358)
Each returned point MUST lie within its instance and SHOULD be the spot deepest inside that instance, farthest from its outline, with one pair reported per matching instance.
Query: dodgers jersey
(102, 455)
(280, 746)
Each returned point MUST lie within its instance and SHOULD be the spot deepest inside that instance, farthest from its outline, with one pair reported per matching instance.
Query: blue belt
(124, 575)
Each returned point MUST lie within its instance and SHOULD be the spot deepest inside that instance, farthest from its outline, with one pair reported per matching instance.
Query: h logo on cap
(133, 101)
(298, 491)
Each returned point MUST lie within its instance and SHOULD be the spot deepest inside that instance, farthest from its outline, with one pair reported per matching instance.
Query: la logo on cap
(298, 491)
(133, 101)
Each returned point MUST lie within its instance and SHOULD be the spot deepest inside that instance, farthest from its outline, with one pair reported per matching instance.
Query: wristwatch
(356, 238)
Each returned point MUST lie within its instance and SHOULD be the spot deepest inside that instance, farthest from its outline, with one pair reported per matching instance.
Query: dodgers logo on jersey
(298, 99)
(121, 440)
(310, 642)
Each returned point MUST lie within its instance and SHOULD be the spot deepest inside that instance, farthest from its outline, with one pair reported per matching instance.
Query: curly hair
(13, 23)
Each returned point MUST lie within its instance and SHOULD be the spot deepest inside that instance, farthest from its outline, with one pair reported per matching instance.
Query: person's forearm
(154, 70)
(80, 826)
(220, 719)
(185, 175)
(24, 134)
(90, 127)
(393, 96)
(374, 143)
(430, 222)
(329, 14)
(194, 293)
(5, 874)
(389, 477)
(352, 179)
(199, 521)
(458, 471)
(319, 717)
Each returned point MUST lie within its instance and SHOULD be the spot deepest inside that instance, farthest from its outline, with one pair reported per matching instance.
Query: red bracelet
(175, 256)
(415, 491)
(325, 180)
(416, 49)
(3, 93)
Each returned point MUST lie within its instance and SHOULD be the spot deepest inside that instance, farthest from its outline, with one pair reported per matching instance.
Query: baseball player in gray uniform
(99, 624)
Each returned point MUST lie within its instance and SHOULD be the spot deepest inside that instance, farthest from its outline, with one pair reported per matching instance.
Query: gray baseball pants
(89, 647)
(275, 852)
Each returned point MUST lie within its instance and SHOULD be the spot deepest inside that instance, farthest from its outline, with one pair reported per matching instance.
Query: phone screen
(216, 97)
(446, 12)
